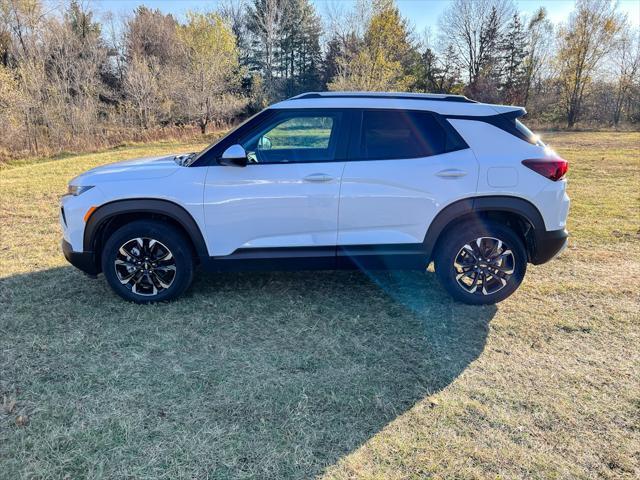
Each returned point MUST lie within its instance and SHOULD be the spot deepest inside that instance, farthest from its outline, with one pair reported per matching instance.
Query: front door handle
(318, 177)
(451, 173)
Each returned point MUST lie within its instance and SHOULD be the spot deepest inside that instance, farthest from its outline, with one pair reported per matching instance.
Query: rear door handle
(451, 173)
(318, 177)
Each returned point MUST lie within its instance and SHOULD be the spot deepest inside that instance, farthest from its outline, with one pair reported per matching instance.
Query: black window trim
(348, 148)
(355, 154)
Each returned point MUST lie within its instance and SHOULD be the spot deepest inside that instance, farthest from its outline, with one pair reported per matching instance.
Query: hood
(137, 169)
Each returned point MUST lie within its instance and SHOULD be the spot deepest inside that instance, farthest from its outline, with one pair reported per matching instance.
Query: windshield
(194, 158)
(533, 138)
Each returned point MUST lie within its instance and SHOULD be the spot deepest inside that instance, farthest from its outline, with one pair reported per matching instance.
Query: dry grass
(340, 375)
(112, 138)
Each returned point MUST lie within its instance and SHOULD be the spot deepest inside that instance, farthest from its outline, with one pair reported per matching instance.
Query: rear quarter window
(525, 132)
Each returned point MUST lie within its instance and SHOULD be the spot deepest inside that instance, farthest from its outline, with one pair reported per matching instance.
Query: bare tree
(75, 54)
(115, 44)
(473, 27)
(12, 106)
(263, 23)
(540, 38)
(234, 12)
(626, 62)
(155, 64)
(344, 24)
(142, 90)
(583, 44)
(23, 18)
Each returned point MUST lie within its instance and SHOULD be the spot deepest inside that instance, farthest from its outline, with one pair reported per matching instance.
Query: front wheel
(147, 261)
(480, 263)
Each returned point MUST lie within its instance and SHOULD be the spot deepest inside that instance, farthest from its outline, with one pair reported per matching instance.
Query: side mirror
(234, 156)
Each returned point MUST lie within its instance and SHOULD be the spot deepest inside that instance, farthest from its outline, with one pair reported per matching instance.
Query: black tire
(458, 268)
(169, 277)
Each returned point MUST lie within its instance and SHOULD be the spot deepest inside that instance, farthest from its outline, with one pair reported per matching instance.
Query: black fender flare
(143, 205)
(468, 206)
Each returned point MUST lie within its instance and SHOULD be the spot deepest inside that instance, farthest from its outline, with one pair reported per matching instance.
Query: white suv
(331, 180)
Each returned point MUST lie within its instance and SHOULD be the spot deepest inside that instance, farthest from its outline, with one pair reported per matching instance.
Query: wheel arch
(110, 216)
(516, 212)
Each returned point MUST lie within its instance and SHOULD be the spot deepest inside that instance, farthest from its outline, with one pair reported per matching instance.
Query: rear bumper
(548, 244)
(84, 261)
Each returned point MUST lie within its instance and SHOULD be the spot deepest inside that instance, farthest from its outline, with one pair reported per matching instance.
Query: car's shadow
(267, 375)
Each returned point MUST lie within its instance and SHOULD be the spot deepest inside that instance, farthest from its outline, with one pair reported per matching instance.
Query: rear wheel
(480, 263)
(147, 261)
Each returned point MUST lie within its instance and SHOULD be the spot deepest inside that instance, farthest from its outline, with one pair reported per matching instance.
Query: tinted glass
(301, 138)
(401, 134)
(532, 137)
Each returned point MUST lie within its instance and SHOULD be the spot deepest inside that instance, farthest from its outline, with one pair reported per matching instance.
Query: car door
(288, 194)
(406, 166)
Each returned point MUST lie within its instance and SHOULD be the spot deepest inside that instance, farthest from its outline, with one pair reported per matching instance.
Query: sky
(421, 13)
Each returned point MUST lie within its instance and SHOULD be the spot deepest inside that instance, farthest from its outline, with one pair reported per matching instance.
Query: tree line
(69, 81)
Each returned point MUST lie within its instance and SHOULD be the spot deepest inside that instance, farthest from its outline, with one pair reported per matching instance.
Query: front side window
(295, 138)
(193, 159)
(401, 134)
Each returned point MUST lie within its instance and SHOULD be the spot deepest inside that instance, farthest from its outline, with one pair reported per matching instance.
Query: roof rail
(392, 95)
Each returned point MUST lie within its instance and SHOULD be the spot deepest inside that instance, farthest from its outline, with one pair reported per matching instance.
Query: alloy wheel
(145, 266)
(484, 266)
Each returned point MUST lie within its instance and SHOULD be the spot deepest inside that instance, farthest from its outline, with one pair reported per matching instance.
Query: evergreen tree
(300, 54)
(286, 45)
(484, 85)
(437, 73)
(513, 52)
(426, 72)
(450, 80)
(81, 21)
(330, 62)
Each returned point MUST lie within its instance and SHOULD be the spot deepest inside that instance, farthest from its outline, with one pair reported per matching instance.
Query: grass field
(337, 375)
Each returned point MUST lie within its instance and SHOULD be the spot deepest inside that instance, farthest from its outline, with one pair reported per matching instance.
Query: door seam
(339, 205)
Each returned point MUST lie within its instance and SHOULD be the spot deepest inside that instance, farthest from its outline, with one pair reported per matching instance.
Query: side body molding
(103, 214)
(471, 206)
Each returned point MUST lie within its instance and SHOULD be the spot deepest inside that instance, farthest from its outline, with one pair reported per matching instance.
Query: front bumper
(549, 244)
(85, 261)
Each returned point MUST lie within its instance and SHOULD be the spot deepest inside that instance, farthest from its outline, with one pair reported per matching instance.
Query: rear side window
(404, 134)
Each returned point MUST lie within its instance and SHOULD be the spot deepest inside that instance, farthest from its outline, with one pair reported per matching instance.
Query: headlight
(76, 190)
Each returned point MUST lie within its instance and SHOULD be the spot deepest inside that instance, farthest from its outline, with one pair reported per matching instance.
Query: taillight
(554, 168)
